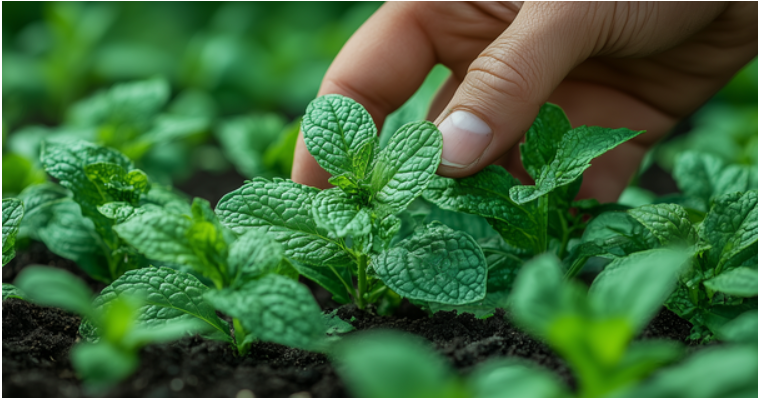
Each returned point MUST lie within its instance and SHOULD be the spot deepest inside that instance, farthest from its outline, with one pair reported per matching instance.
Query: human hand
(642, 66)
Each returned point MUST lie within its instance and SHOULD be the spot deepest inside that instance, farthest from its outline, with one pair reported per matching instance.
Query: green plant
(252, 282)
(113, 353)
(334, 234)
(13, 213)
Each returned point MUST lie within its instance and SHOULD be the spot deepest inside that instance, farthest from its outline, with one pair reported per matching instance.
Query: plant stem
(239, 337)
(362, 280)
(565, 237)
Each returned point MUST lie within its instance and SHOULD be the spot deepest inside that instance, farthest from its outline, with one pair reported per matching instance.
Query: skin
(643, 66)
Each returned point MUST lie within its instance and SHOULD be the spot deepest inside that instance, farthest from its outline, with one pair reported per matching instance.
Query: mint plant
(335, 234)
(113, 353)
(13, 213)
(252, 282)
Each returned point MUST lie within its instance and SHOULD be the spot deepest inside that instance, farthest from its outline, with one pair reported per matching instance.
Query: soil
(36, 342)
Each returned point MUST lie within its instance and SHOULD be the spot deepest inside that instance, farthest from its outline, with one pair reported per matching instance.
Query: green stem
(564, 237)
(348, 286)
(362, 280)
(239, 337)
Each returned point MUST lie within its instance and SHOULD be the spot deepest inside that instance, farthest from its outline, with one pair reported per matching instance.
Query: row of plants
(391, 229)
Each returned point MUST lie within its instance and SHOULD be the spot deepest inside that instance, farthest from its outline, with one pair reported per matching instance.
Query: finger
(509, 81)
(380, 67)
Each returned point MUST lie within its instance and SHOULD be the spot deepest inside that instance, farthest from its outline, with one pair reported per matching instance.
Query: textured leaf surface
(669, 223)
(575, 151)
(486, 194)
(10, 291)
(276, 309)
(740, 282)
(336, 130)
(436, 264)
(339, 213)
(254, 254)
(703, 177)
(731, 227)
(404, 168)
(167, 296)
(13, 212)
(543, 139)
(282, 209)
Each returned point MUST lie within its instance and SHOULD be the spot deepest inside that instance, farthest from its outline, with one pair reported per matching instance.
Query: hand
(642, 66)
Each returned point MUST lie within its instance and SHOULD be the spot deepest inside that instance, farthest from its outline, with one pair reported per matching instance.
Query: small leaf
(336, 130)
(282, 209)
(275, 309)
(436, 264)
(731, 228)
(339, 213)
(669, 223)
(335, 280)
(10, 291)
(740, 282)
(13, 212)
(543, 139)
(54, 287)
(254, 254)
(703, 177)
(522, 378)
(168, 296)
(102, 364)
(404, 168)
(575, 151)
(741, 330)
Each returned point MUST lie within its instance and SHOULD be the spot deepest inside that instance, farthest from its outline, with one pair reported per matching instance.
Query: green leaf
(703, 177)
(115, 184)
(522, 379)
(334, 280)
(168, 199)
(575, 151)
(275, 309)
(340, 214)
(282, 209)
(102, 364)
(10, 291)
(177, 239)
(13, 212)
(336, 130)
(254, 254)
(168, 296)
(392, 365)
(474, 225)
(436, 264)
(54, 287)
(19, 173)
(485, 194)
(404, 168)
(740, 282)
(543, 139)
(131, 103)
(731, 228)
(635, 287)
(244, 140)
(741, 330)
(718, 372)
(669, 223)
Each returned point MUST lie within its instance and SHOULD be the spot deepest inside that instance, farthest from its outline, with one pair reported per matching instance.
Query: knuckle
(506, 72)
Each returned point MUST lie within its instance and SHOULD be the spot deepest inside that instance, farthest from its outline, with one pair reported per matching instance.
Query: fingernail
(464, 139)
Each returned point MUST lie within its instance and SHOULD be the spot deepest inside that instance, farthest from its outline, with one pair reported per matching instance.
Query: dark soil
(36, 342)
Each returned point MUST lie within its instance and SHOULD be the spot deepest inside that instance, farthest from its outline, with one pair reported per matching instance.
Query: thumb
(508, 82)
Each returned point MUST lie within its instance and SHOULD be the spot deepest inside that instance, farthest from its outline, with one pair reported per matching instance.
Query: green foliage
(593, 331)
(19, 173)
(115, 355)
(13, 212)
(329, 235)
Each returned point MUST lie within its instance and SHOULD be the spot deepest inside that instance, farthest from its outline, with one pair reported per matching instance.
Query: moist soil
(36, 344)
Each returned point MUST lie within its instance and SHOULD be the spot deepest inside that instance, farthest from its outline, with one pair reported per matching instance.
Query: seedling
(253, 283)
(112, 354)
(332, 235)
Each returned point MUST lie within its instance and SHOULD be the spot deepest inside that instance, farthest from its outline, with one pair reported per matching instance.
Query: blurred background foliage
(210, 86)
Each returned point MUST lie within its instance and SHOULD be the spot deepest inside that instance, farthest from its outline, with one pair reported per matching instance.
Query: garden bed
(36, 343)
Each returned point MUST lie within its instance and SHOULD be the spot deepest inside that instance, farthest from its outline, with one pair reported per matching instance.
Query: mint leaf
(575, 151)
(336, 131)
(703, 177)
(13, 212)
(167, 295)
(436, 264)
(339, 213)
(116, 184)
(635, 287)
(740, 282)
(522, 378)
(669, 223)
(168, 199)
(276, 309)
(486, 194)
(404, 168)
(10, 291)
(254, 254)
(282, 209)
(334, 280)
(543, 139)
(54, 287)
(731, 228)
(740, 330)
